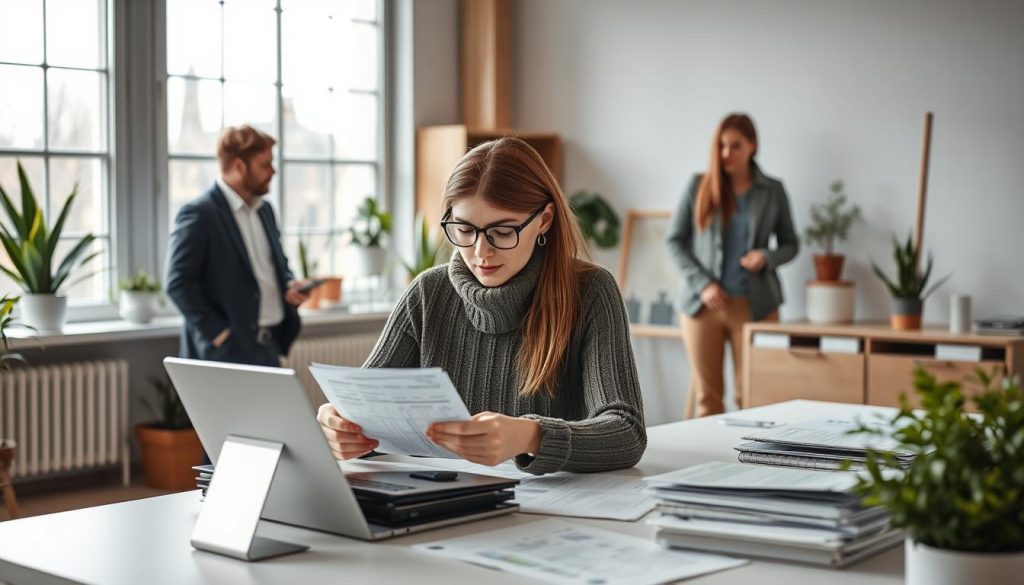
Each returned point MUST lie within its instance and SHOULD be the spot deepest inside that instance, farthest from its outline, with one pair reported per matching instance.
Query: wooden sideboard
(875, 367)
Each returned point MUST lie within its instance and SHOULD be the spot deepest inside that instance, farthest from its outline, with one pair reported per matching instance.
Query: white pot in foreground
(138, 306)
(43, 312)
(927, 565)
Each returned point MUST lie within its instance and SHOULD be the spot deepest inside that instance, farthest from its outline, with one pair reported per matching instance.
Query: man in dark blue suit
(226, 270)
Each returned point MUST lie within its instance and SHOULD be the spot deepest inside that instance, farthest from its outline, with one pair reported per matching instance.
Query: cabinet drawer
(891, 375)
(777, 375)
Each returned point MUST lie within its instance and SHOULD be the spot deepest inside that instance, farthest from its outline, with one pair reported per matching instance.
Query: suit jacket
(698, 253)
(211, 281)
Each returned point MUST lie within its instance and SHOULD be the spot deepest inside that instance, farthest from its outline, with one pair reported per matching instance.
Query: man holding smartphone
(226, 270)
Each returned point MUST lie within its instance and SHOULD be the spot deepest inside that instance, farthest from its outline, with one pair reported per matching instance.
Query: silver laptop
(309, 487)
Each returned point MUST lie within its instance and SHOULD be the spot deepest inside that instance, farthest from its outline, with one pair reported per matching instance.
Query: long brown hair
(716, 191)
(510, 175)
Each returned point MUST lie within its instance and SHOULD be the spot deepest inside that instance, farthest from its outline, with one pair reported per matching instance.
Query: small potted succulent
(908, 289)
(170, 446)
(140, 298)
(961, 500)
(31, 246)
(597, 219)
(372, 223)
(830, 223)
(429, 248)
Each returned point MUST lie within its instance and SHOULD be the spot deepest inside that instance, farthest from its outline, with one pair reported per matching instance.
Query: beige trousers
(704, 337)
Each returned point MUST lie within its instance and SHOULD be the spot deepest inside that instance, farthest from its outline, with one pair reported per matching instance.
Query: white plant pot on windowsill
(368, 260)
(927, 565)
(138, 306)
(43, 312)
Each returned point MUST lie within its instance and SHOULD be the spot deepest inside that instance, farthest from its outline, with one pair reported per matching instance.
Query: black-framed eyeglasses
(502, 237)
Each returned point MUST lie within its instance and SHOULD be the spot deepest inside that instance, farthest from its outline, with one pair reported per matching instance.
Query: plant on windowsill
(597, 218)
(908, 289)
(830, 223)
(371, 225)
(169, 444)
(31, 249)
(140, 298)
(429, 248)
(7, 303)
(329, 293)
(961, 500)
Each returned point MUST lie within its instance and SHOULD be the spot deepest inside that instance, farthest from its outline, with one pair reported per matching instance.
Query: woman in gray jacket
(719, 239)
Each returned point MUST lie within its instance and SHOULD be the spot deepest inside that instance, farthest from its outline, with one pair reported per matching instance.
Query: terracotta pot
(331, 290)
(906, 314)
(315, 296)
(828, 267)
(168, 457)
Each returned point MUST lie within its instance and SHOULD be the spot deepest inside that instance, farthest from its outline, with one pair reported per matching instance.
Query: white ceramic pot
(43, 312)
(369, 260)
(830, 302)
(927, 565)
(138, 306)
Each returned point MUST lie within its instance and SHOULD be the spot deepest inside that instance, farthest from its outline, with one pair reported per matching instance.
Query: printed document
(745, 477)
(392, 405)
(570, 554)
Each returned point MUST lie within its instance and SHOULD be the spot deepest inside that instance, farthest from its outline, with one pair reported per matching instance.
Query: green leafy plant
(371, 224)
(597, 219)
(31, 247)
(7, 303)
(169, 411)
(831, 221)
(965, 488)
(428, 248)
(909, 283)
(306, 264)
(141, 282)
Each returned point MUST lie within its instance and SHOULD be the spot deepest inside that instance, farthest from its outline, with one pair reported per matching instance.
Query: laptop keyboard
(378, 485)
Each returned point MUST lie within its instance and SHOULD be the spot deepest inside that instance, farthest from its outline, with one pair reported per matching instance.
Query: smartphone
(305, 288)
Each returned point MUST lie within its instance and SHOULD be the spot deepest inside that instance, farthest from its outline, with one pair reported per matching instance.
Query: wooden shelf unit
(877, 374)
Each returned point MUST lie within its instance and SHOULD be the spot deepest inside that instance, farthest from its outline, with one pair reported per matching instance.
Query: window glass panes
(76, 105)
(87, 281)
(354, 126)
(193, 115)
(250, 40)
(21, 121)
(306, 112)
(21, 32)
(306, 195)
(194, 38)
(33, 166)
(352, 184)
(88, 211)
(251, 103)
(75, 33)
(188, 179)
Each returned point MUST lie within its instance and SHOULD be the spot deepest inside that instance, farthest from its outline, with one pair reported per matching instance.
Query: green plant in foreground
(596, 217)
(170, 412)
(428, 248)
(7, 303)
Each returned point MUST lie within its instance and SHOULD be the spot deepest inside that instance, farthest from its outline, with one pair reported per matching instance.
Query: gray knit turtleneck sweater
(447, 319)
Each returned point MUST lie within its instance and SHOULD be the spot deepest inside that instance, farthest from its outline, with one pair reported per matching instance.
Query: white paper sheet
(394, 406)
(570, 554)
(743, 476)
(833, 433)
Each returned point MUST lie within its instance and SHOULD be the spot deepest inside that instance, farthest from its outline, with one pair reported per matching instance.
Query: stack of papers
(789, 514)
(820, 444)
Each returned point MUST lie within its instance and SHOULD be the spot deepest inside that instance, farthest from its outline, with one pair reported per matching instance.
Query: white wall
(838, 90)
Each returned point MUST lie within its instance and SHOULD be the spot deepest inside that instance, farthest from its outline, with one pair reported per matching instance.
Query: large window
(305, 71)
(54, 111)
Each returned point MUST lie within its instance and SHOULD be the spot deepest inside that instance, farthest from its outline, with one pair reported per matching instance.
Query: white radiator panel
(341, 350)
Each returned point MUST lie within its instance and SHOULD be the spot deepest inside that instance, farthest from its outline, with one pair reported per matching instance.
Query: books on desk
(1003, 326)
(820, 444)
(749, 510)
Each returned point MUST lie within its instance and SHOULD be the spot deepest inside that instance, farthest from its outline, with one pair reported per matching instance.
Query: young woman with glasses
(534, 338)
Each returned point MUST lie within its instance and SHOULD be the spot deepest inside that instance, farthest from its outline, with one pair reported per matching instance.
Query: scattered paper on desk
(570, 554)
(833, 433)
(392, 405)
(743, 476)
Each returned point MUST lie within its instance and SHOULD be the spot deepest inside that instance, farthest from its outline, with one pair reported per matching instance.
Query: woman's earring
(542, 240)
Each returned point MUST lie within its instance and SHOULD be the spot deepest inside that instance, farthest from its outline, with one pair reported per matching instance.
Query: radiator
(66, 417)
(341, 350)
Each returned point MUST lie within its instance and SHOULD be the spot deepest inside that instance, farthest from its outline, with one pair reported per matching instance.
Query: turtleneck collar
(498, 309)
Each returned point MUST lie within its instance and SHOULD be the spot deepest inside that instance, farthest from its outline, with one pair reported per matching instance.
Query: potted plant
(31, 248)
(961, 500)
(371, 225)
(830, 223)
(598, 220)
(170, 446)
(7, 356)
(908, 289)
(140, 296)
(428, 248)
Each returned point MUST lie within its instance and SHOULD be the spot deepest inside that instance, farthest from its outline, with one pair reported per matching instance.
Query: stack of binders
(783, 514)
(204, 473)
(819, 444)
(1002, 326)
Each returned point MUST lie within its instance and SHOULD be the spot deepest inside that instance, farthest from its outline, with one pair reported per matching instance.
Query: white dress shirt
(258, 247)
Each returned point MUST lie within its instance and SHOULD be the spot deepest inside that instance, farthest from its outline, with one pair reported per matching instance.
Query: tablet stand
(234, 502)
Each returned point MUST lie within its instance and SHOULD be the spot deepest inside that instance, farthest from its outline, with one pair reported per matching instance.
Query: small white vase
(43, 312)
(138, 306)
(927, 565)
(830, 302)
(368, 260)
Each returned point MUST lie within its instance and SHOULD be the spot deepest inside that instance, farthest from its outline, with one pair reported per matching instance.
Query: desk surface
(147, 541)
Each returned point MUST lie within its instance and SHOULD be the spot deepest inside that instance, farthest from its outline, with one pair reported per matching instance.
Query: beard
(256, 186)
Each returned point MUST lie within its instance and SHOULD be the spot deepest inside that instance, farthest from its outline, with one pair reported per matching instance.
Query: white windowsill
(162, 327)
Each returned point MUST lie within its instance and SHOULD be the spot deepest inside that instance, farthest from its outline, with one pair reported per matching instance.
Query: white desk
(147, 541)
